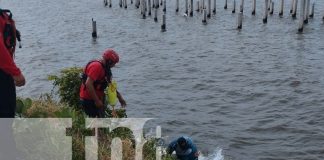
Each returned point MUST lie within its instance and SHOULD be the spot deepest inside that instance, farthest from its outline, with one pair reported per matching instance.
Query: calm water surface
(255, 93)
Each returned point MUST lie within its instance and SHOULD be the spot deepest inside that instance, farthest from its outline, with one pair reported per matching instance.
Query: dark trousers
(7, 96)
(91, 109)
(7, 113)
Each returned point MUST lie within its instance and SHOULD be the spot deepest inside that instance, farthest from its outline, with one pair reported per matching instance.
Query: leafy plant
(68, 83)
(22, 105)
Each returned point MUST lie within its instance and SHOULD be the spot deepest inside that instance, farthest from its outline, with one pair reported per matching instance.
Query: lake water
(250, 94)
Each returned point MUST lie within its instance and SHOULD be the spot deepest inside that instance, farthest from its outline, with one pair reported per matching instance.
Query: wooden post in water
(225, 6)
(239, 20)
(125, 4)
(149, 7)
(177, 5)
(271, 8)
(214, 10)
(155, 14)
(146, 5)
(203, 5)
(110, 4)
(294, 14)
(209, 9)
(301, 20)
(120, 3)
(292, 6)
(105, 2)
(234, 6)
(242, 6)
(198, 7)
(131, 1)
(143, 9)
(253, 7)
(156, 3)
(164, 6)
(140, 6)
(163, 26)
(204, 21)
(312, 11)
(265, 16)
(94, 29)
(306, 14)
(191, 8)
(281, 8)
(137, 3)
(186, 7)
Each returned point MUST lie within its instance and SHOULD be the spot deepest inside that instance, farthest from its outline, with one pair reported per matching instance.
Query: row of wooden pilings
(146, 7)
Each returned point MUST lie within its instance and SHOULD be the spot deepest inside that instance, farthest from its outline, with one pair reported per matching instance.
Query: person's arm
(121, 100)
(8, 65)
(193, 147)
(92, 92)
(171, 147)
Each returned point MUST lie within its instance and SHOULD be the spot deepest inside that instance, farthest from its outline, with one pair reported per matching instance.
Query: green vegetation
(68, 83)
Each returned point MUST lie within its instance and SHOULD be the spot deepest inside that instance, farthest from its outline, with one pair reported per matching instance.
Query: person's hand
(122, 102)
(99, 104)
(19, 80)
(114, 113)
(197, 154)
(169, 151)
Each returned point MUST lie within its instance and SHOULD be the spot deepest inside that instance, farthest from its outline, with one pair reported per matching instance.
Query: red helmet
(110, 55)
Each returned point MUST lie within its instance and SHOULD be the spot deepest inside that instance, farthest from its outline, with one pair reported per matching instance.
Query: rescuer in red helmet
(95, 78)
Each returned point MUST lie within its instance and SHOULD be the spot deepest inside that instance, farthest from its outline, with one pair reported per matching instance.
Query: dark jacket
(183, 154)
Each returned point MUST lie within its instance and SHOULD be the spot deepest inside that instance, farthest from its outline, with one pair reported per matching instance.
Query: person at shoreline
(10, 74)
(184, 147)
(95, 78)
(10, 77)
